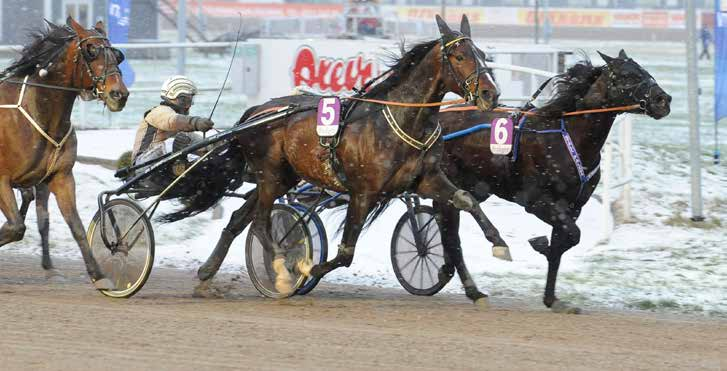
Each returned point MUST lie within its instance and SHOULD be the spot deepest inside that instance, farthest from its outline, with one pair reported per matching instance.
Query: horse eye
(92, 51)
(459, 58)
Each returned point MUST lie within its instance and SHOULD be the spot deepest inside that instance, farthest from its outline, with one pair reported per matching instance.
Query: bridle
(87, 57)
(635, 89)
(473, 78)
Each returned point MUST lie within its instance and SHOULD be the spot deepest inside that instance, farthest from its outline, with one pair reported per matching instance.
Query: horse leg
(270, 188)
(450, 241)
(437, 186)
(41, 210)
(359, 207)
(238, 222)
(63, 187)
(14, 228)
(27, 197)
(565, 235)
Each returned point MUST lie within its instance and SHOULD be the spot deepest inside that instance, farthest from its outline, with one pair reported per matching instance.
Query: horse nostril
(486, 95)
(118, 95)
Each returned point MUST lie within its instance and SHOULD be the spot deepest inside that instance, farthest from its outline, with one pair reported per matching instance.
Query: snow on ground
(660, 260)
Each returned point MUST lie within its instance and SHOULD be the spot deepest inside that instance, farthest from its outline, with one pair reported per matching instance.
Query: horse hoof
(205, 290)
(283, 281)
(55, 276)
(502, 253)
(564, 308)
(482, 303)
(304, 267)
(104, 284)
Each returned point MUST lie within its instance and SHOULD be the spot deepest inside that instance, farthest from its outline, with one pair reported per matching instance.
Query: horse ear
(70, 22)
(622, 54)
(464, 26)
(99, 26)
(443, 28)
(606, 58)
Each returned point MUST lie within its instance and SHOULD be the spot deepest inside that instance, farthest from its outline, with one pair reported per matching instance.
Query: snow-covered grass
(660, 260)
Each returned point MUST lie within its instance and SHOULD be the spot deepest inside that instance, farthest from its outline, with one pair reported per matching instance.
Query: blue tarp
(118, 17)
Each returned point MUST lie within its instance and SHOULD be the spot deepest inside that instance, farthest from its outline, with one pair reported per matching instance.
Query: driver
(168, 126)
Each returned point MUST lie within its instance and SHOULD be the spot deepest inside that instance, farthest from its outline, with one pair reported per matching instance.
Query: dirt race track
(67, 325)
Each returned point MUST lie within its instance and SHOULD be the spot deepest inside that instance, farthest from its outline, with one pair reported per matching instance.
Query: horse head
(96, 63)
(625, 82)
(465, 69)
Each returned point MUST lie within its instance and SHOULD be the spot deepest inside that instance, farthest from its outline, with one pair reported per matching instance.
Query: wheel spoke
(406, 252)
(432, 237)
(421, 276)
(426, 225)
(407, 241)
(433, 246)
(414, 270)
(432, 278)
(401, 269)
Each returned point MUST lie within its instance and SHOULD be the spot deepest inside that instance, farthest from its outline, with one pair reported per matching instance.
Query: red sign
(330, 74)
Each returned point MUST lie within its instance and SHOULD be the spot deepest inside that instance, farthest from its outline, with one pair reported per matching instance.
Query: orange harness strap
(401, 104)
(527, 113)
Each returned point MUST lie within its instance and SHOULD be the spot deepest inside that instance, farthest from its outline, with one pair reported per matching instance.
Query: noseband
(471, 95)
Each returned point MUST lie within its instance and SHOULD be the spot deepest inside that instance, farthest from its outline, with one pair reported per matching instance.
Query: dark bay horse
(373, 160)
(36, 136)
(543, 176)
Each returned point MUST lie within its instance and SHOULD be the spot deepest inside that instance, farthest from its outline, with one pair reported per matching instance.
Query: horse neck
(419, 86)
(50, 108)
(589, 134)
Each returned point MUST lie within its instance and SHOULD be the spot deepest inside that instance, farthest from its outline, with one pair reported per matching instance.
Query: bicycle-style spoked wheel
(294, 237)
(417, 253)
(128, 259)
(320, 244)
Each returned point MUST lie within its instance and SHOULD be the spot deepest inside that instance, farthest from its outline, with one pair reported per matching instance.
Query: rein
(403, 104)
(535, 113)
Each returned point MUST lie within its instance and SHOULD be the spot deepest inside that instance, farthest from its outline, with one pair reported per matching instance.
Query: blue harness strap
(582, 176)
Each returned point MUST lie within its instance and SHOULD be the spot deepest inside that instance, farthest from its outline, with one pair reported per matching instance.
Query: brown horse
(384, 150)
(543, 174)
(36, 136)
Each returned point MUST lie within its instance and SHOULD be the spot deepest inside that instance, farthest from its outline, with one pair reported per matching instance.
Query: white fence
(267, 68)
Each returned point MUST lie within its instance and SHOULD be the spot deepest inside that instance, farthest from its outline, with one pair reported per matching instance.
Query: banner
(118, 18)
(720, 59)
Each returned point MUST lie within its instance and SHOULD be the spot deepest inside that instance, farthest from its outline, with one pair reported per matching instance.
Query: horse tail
(221, 173)
(378, 209)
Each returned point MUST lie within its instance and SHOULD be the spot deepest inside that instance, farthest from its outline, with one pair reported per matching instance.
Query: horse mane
(570, 88)
(44, 46)
(400, 67)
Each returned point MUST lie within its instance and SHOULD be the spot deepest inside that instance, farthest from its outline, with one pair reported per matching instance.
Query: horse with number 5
(37, 139)
(388, 145)
(552, 166)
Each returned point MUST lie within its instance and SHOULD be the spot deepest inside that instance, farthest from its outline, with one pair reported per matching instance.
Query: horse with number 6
(37, 139)
(552, 165)
(388, 145)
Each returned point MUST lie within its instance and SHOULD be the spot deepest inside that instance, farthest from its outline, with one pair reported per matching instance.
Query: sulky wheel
(320, 244)
(294, 237)
(129, 257)
(417, 258)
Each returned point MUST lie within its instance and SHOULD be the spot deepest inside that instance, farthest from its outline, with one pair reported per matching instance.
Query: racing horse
(554, 166)
(388, 145)
(38, 143)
